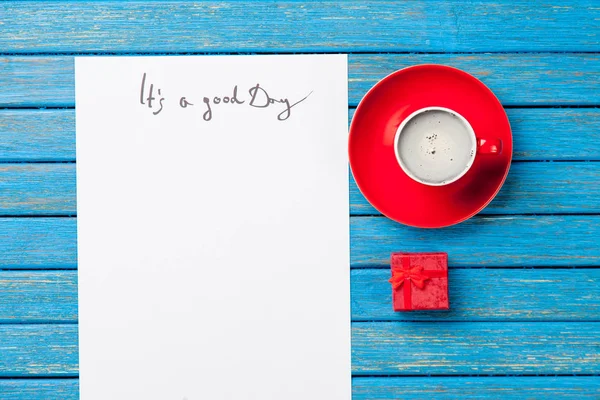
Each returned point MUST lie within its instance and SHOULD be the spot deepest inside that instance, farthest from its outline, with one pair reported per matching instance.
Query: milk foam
(436, 147)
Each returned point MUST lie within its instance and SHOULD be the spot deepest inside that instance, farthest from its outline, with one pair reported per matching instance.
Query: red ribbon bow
(414, 274)
(417, 275)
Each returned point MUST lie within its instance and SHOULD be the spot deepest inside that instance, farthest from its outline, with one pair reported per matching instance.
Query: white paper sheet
(213, 239)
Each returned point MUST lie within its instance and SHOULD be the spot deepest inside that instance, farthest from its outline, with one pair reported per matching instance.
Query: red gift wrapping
(419, 281)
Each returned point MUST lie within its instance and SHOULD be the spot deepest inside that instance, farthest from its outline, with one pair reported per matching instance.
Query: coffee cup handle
(489, 146)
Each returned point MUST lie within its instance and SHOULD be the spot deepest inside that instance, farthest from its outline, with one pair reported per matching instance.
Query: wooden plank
(553, 134)
(489, 295)
(37, 189)
(389, 348)
(475, 295)
(459, 348)
(531, 188)
(38, 350)
(37, 135)
(39, 389)
(37, 81)
(483, 241)
(261, 26)
(431, 388)
(38, 243)
(38, 297)
(540, 188)
(539, 134)
(519, 241)
(517, 79)
(452, 388)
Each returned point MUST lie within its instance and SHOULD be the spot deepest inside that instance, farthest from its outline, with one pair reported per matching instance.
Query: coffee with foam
(435, 146)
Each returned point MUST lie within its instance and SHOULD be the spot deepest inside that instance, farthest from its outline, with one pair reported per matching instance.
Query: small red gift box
(420, 281)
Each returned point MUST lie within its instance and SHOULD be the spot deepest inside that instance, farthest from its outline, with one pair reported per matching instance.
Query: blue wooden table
(525, 274)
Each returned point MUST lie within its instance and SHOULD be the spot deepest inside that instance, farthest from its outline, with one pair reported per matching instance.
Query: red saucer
(371, 146)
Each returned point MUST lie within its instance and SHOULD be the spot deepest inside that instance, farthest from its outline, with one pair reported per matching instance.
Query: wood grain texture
(263, 26)
(38, 243)
(39, 389)
(517, 79)
(38, 297)
(37, 135)
(541, 188)
(539, 134)
(531, 188)
(38, 350)
(388, 348)
(489, 295)
(37, 189)
(452, 388)
(37, 81)
(475, 295)
(481, 241)
(449, 348)
(553, 134)
(543, 79)
(410, 388)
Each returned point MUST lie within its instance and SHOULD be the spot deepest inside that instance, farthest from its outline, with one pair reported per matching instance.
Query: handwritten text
(256, 96)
